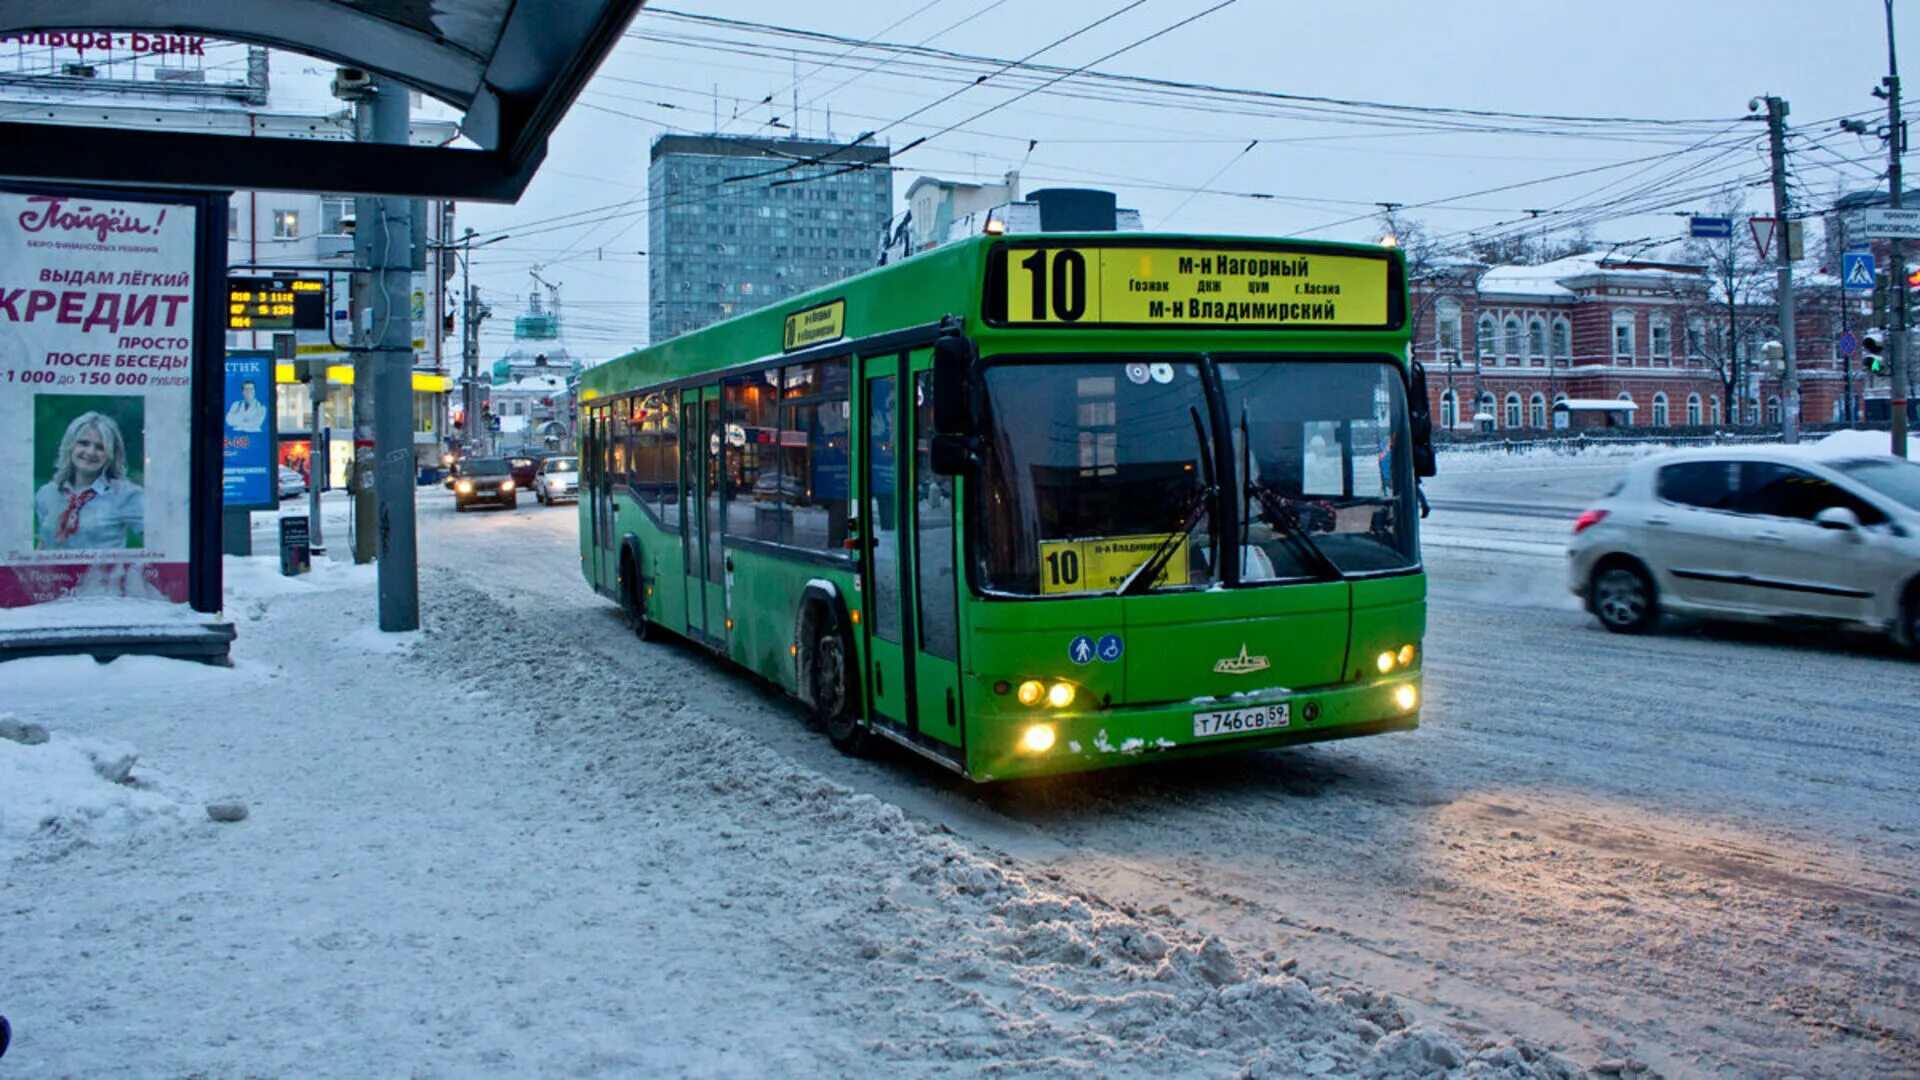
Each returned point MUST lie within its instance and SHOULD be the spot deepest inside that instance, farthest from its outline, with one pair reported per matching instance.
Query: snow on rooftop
(1545, 279)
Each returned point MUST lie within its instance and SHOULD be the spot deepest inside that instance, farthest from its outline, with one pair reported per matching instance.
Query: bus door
(935, 662)
(700, 534)
(599, 496)
(878, 525)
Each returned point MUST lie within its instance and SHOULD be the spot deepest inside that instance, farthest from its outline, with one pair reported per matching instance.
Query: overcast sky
(1183, 160)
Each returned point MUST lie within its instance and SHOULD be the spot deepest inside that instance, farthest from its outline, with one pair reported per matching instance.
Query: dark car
(485, 480)
(524, 467)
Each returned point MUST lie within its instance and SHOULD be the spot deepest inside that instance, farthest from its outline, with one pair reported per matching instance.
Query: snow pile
(952, 957)
(1458, 461)
(71, 792)
(1852, 443)
(474, 856)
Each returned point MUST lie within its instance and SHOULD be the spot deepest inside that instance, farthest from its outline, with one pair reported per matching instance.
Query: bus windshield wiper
(1143, 575)
(1287, 520)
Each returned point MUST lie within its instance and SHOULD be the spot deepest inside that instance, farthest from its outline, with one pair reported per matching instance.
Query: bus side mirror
(1420, 420)
(955, 455)
(953, 359)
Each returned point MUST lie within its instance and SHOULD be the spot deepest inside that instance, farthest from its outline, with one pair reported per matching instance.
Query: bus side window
(669, 463)
(617, 442)
(813, 456)
(752, 471)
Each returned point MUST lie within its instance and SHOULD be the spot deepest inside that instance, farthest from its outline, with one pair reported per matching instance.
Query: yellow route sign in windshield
(1191, 287)
(1101, 564)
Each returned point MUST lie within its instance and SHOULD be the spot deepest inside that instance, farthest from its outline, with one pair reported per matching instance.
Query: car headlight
(464, 487)
(506, 485)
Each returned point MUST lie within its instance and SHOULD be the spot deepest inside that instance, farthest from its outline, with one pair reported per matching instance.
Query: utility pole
(390, 281)
(472, 314)
(1783, 288)
(1897, 281)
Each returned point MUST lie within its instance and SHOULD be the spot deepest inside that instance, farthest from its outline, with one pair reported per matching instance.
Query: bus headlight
(1406, 656)
(1406, 697)
(1384, 662)
(1037, 739)
(1031, 692)
(1060, 696)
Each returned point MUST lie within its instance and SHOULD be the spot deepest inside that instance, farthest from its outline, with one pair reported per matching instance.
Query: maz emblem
(1242, 664)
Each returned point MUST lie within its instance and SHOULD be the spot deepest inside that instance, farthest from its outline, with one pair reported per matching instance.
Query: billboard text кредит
(96, 406)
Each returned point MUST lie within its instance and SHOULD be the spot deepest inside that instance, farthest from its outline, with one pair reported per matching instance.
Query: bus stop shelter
(119, 239)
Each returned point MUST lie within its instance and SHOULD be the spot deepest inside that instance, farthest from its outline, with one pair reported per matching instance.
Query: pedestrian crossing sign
(1856, 271)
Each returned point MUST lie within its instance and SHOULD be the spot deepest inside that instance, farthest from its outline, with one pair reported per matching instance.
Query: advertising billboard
(97, 395)
(249, 469)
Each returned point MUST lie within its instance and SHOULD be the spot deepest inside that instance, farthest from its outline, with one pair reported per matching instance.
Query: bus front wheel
(834, 704)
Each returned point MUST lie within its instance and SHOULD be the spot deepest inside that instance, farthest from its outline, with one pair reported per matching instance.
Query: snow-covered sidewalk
(446, 872)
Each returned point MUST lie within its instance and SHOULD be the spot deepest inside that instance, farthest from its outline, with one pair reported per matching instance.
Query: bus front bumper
(1133, 735)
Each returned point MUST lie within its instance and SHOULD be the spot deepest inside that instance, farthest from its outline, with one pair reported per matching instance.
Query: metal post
(318, 467)
(366, 215)
(1897, 280)
(390, 294)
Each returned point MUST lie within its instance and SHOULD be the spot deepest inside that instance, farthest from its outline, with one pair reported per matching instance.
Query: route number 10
(1067, 296)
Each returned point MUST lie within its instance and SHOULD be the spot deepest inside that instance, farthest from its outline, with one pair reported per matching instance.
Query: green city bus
(1041, 503)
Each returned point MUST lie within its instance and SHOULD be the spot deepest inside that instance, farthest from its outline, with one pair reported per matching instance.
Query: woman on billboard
(89, 502)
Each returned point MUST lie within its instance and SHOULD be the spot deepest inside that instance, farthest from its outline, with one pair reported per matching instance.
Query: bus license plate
(1239, 721)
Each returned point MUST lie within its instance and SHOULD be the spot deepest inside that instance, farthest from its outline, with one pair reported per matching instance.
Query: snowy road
(1697, 851)
(1700, 850)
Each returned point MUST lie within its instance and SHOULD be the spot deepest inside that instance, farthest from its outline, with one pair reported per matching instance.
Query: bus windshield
(1093, 466)
(1326, 480)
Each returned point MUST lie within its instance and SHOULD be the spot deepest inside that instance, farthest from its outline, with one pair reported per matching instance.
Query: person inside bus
(90, 503)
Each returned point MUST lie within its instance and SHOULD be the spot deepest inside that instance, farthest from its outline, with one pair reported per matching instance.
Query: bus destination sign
(1162, 287)
(816, 325)
(255, 303)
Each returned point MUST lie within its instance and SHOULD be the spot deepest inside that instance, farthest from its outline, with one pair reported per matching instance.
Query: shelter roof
(513, 67)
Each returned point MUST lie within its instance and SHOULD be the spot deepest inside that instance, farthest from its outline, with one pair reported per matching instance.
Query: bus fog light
(1037, 739)
(1406, 697)
(1031, 692)
(1406, 656)
(1384, 662)
(1060, 696)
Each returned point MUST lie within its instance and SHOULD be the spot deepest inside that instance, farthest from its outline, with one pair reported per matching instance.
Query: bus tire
(633, 596)
(832, 689)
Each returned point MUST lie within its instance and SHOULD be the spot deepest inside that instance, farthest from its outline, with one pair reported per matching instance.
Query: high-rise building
(737, 222)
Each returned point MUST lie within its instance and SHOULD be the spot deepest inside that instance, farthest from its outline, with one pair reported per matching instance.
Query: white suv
(1763, 533)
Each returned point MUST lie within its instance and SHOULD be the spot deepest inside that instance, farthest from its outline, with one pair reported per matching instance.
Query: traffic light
(1873, 346)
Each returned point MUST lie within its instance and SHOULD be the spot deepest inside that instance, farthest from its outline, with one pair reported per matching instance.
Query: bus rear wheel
(833, 696)
(633, 599)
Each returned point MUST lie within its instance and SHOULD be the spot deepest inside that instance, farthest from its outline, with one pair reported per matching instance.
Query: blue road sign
(1716, 228)
(1856, 271)
(1846, 343)
(1080, 650)
(1110, 648)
